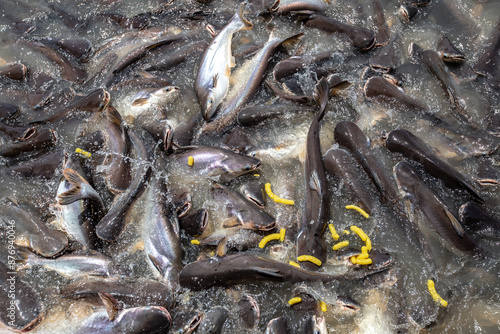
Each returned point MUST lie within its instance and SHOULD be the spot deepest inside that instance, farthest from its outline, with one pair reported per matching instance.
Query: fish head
(168, 93)
(209, 105)
(238, 165)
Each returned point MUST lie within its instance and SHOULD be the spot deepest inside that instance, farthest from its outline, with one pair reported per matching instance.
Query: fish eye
(248, 167)
(167, 89)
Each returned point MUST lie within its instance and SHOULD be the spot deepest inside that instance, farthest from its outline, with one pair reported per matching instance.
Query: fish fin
(292, 41)
(231, 222)
(139, 102)
(300, 49)
(215, 79)
(455, 223)
(145, 74)
(111, 304)
(211, 30)
(73, 177)
(321, 95)
(248, 24)
(25, 257)
(341, 86)
(273, 272)
(114, 116)
(409, 209)
(155, 262)
(222, 247)
(314, 183)
(70, 196)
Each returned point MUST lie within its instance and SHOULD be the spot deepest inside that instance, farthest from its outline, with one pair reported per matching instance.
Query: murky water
(398, 302)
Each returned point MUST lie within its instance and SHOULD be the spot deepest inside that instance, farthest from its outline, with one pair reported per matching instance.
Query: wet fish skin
(43, 167)
(254, 191)
(294, 64)
(178, 57)
(254, 115)
(8, 112)
(349, 135)
(287, 6)
(249, 311)
(14, 71)
(186, 321)
(405, 142)
(439, 216)
(133, 292)
(342, 164)
(248, 268)
(383, 59)
(40, 140)
(17, 133)
(478, 221)
(112, 224)
(383, 33)
(28, 309)
(310, 239)
(118, 170)
(161, 235)
(361, 38)
(277, 326)
(144, 319)
(33, 232)
(315, 325)
(488, 61)
(245, 213)
(448, 52)
(195, 224)
(220, 164)
(213, 321)
(212, 80)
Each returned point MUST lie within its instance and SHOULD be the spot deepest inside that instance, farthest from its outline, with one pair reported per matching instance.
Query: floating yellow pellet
(294, 300)
(357, 208)
(346, 232)
(310, 258)
(434, 294)
(282, 234)
(269, 237)
(190, 160)
(364, 262)
(334, 233)
(195, 242)
(359, 232)
(275, 198)
(256, 175)
(323, 306)
(362, 256)
(340, 245)
(295, 264)
(84, 153)
(368, 244)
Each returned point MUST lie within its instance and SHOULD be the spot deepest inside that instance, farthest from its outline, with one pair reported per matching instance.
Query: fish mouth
(369, 45)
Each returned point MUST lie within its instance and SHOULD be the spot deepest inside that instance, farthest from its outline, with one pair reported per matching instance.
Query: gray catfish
(247, 268)
(439, 216)
(212, 81)
(310, 240)
(411, 146)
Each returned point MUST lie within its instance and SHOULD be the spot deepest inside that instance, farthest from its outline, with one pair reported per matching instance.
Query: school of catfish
(288, 166)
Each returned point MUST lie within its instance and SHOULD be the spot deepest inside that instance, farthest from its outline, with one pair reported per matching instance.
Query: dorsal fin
(321, 94)
(111, 304)
(222, 247)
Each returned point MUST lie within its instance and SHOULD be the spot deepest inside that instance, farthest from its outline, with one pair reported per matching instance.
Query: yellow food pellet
(354, 259)
(294, 300)
(359, 232)
(434, 294)
(282, 234)
(275, 198)
(368, 244)
(340, 245)
(195, 242)
(362, 256)
(190, 160)
(267, 238)
(323, 306)
(334, 233)
(364, 250)
(295, 264)
(84, 153)
(256, 175)
(346, 232)
(357, 208)
(367, 261)
(310, 258)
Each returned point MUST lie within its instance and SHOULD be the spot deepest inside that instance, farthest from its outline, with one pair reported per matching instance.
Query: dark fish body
(384, 60)
(383, 34)
(42, 167)
(277, 326)
(437, 67)
(186, 321)
(178, 57)
(15, 71)
(145, 319)
(254, 192)
(118, 170)
(361, 38)
(439, 216)
(216, 163)
(488, 61)
(249, 311)
(342, 164)
(195, 224)
(8, 112)
(477, 220)
(247, 268)
(31, 232)
(242, 212)
(254, 115)
(17, 133)
(448, 52)
(294, 64)
(287, 6)
(39, 140)
(133, 292)
(349, 135)
(21, 304)
(412, 147)
(213, 321)
(310, 240)
(112, 224)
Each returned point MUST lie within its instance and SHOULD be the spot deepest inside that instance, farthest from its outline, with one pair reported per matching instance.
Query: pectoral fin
(139, 102)
(111, 304)
(231, 222)
(455, 223)
(273, 272)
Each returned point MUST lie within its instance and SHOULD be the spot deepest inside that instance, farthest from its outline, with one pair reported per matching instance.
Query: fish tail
(25, 258)
(81, 189)
(292, 41)
(321, 95)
